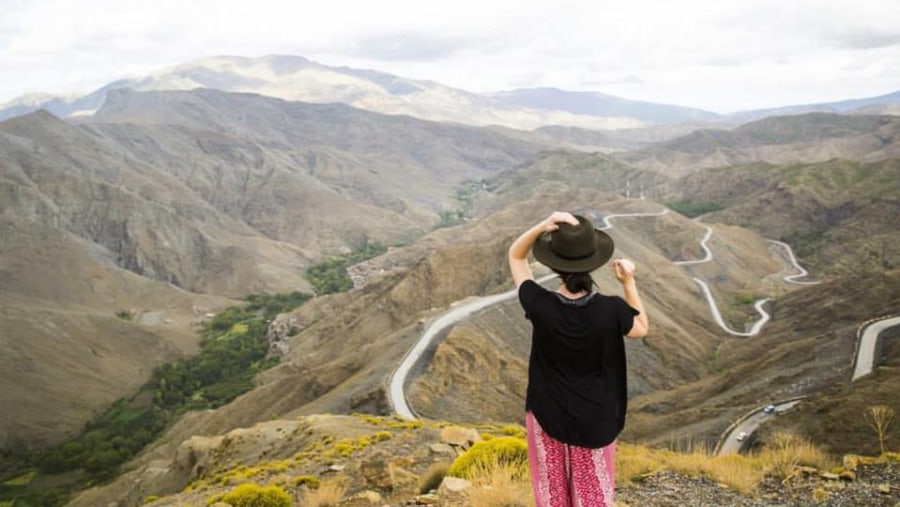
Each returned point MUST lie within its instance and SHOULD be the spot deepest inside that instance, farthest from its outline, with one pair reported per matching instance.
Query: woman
(576, 400)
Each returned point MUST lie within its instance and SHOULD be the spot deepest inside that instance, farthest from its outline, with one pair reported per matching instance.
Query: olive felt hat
(574, 248)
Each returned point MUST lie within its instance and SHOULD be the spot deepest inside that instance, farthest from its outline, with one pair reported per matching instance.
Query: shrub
(381, 436)
(254, 495)
(150, 498)
(507, 451)
(513, 431)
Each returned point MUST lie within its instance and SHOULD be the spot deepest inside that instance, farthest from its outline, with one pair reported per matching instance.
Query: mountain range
(193, 193)
(298, 79)
(127, 226)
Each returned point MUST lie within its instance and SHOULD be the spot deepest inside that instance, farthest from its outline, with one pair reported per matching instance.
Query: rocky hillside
(814, 137)
(839, 215)
(161, 197)
(836, 416)
(78, 333)
(323, 177)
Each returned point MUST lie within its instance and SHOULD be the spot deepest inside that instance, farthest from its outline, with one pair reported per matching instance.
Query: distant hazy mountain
(813, 137)
(298, 79)
(599, 104)
(843, 106)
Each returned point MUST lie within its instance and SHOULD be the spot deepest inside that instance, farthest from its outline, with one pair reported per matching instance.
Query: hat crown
(573, 241)
(574, 248)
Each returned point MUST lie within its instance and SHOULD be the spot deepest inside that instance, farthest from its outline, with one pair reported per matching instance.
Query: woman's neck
(571, 295)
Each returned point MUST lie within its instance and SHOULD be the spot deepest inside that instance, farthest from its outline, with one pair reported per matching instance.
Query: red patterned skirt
(565, 475)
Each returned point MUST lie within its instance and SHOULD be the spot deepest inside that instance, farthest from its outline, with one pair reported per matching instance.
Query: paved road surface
(801, 272)
(865, 356)
(717, 316)
(748, 426)
(704, 245)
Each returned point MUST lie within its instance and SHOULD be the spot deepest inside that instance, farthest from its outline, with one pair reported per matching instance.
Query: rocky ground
(875, 486)
(387, 462)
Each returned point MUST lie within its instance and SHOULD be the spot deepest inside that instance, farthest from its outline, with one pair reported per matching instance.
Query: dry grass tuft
(787, 452)
(329, 494)
(742, 473)
(433, 476)
(499, 485)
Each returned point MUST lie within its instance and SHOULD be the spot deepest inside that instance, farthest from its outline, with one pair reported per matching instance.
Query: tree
(880, 417)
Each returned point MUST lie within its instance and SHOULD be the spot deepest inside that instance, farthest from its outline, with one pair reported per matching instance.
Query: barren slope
(64, 353)
(814, 137)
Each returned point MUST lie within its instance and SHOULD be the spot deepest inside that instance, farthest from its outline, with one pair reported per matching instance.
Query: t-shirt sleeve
(625, 315)
(529, 297)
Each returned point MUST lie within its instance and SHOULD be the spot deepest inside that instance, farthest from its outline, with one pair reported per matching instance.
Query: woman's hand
(552, 222)
(624, 270)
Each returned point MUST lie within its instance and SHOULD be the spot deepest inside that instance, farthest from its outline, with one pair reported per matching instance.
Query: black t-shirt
(576, 373)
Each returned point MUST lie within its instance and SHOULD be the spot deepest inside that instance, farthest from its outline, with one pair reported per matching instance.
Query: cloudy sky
(717, 55)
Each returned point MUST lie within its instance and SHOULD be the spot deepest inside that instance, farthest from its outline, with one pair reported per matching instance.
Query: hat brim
(603, 250)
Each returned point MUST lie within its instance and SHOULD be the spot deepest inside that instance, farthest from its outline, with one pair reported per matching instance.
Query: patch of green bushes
(253, 495)
(330, 276)
(484, 455)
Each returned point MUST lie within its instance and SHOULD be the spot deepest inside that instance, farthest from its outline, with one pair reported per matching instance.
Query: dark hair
(576, 282)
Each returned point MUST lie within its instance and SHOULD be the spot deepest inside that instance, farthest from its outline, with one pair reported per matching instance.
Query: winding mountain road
(717, 316)
(733, 442)
(865, 355)
(704, 244)
(460, 311)
(396, 394)
(707, 293)
(865, 363)
(801, 272)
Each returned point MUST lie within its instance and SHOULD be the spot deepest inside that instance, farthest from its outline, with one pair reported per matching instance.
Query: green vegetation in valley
(330, 276)
(465, 194)
(691, 208)
(233, 350)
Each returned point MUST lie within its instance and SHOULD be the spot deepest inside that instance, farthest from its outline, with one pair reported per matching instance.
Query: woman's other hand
(624, 270)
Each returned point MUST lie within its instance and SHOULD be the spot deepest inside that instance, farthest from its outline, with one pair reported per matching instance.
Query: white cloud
(710, 54)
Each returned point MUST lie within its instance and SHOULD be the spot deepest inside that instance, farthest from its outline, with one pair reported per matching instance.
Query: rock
(850, 461)
(848, 475)
(441, 449)
(884, 488)
(460, 436)
(453, 485)
(337, 468)
(427, 499)
(829, 476)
